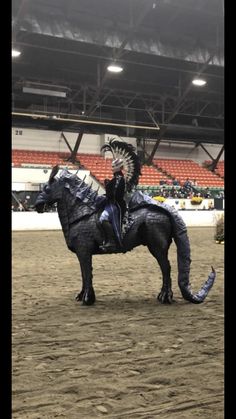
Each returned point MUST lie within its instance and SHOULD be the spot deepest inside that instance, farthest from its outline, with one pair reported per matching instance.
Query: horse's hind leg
(166, 294)
(87, 294)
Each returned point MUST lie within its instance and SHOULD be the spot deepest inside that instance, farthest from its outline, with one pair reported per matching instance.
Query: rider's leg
(110, 240)
(115, 214)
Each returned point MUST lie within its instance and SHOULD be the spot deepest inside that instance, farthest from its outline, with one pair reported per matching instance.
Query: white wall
(49, 221)
(26, 179)
(176, 202)
(45, 140)
(33, 221)
(180, 150)
(37, 175)
(27, 186)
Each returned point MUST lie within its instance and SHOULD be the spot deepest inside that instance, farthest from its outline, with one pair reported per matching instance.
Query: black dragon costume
(146, 222)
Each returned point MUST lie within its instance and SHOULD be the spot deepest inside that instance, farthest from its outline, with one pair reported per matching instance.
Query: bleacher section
(163, 170)
(183, 169)
(21, 158)
(150, 176)
(99, 167)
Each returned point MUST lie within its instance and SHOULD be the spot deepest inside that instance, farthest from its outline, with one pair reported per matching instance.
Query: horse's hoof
(165, 297)
(89, 297)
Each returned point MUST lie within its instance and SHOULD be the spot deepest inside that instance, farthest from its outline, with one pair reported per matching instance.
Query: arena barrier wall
(49, 220)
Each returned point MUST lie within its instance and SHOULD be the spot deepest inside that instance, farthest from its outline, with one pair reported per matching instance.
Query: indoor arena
(118, 311)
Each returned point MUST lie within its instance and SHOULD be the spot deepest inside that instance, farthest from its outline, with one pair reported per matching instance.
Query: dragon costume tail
(183, 258)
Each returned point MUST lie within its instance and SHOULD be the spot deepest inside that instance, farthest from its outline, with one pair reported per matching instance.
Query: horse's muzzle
(40, 207)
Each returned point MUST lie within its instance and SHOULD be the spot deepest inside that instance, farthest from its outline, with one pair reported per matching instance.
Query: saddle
(110, 242)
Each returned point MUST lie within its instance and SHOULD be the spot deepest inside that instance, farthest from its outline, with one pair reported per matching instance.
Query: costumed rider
(111, 217)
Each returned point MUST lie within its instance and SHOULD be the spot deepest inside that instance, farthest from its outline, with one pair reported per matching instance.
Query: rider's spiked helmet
(124, 156)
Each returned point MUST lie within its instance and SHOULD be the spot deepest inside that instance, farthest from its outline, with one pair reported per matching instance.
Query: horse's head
(51, 193)
(76, 191)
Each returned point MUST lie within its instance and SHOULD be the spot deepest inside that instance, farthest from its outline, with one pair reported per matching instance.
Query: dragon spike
(82, 180)
(54, 172)
(92, 196)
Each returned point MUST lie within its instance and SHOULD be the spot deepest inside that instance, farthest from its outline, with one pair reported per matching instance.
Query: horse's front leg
(87, 294)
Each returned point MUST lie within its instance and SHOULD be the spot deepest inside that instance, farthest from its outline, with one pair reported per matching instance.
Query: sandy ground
(126, 357)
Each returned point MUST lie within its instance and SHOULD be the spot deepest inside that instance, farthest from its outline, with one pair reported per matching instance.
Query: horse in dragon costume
(146, 223)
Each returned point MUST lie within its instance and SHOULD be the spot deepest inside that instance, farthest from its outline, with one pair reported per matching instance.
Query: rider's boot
(110, 244)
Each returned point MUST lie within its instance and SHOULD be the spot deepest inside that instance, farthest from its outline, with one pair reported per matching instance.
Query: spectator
(207, 193)
(25, 205)
(188, 186)
(210, 205)
(20, 206)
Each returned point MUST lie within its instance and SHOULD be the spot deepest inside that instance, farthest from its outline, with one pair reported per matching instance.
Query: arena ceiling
(162, 45)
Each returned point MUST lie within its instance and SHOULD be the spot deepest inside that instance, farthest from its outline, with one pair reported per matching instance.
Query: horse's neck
(67, 205)
(65, 209)
(62, 211)
(71, 209)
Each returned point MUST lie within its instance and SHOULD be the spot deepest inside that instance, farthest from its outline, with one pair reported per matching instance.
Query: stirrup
(108, 247)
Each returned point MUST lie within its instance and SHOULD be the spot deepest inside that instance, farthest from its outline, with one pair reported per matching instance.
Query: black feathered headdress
(132, 167)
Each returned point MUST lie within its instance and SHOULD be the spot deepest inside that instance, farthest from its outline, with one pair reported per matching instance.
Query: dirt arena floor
(126, 357)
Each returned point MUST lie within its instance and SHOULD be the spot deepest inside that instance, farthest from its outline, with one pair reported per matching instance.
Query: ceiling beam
(118, 52)
(66, 141)
(107, 58)
(17, 19)
(177, 106)
(214, 162)
(72, 157)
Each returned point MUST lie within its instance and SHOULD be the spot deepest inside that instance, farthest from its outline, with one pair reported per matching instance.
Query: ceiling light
(199, 82)
(114, 68)
(15, 53)
(42, 92)
(44, 89)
